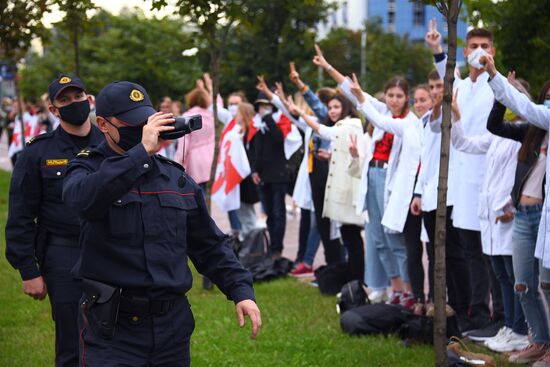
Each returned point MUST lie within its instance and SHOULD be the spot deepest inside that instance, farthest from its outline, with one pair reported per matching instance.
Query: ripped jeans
(526, 271)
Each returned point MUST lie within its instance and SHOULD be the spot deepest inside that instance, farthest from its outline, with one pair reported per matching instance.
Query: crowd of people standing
(366, 182)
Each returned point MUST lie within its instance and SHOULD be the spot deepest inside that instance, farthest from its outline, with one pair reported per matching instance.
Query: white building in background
(402, 17)
(350, 14)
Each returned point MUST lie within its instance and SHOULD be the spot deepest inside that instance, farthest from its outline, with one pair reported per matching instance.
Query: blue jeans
(234, 221)
(313, 241)
(273, 199)
(390, 248)
(504, 273)
(524, 238)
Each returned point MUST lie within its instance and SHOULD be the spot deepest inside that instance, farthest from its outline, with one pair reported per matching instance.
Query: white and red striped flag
(232, 167)
(32, 128)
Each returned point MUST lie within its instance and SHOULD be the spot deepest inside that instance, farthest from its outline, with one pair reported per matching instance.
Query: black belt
(62, 241)
(377, 163)
(144, 306)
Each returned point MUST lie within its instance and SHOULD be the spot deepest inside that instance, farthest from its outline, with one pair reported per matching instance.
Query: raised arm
(318, 107)
(538, 115)
(325, 132)
(321, 62)
(469, 144)
(496, 124)
(379, 120)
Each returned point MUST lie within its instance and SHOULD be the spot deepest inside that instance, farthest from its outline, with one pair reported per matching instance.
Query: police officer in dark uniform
(41, 232)
(142, 216)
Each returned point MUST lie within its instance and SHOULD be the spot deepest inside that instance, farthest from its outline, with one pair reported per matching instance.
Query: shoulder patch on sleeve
(37, 138)
(86, 153)
(167, 160)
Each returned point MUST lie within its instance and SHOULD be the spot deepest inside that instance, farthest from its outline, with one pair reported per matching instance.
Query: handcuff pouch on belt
(101, 305)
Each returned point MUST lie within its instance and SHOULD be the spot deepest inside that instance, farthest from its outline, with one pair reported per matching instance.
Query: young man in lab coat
(466, 173)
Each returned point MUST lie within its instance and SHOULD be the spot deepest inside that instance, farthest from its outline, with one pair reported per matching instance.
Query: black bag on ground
(331, 278)
(351, 295)
(419, 329)
(254, 248)
(386, 319)
(269, 269)
(379, 318)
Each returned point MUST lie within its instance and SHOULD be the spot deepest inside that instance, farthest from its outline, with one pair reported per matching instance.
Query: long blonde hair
(246, 110)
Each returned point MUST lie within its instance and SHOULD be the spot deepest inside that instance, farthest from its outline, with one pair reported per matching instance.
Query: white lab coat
(428, 177)
(359, 167)
(467, 171)
(403, 163)
(538, 115)
(494, 198)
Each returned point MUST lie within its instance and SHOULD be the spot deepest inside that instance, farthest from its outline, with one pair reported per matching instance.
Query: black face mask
(76, 113)
(129, 136)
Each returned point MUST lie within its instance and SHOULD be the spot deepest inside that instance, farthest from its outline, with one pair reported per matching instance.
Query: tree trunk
(76, 47)
(440, 318)
(215, 69)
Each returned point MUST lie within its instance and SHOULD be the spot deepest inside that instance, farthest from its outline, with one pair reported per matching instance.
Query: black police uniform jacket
(142, 216)
(35, 204)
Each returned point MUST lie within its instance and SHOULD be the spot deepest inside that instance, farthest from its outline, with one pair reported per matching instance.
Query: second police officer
(41, 232)
(142, 217)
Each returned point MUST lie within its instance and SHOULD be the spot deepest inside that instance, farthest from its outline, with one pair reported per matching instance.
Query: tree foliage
(20, 22)
(126, 47)
(73, 23)
(521, 35)
(387, 55)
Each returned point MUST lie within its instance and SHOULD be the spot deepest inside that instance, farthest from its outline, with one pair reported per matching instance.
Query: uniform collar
(67, 143)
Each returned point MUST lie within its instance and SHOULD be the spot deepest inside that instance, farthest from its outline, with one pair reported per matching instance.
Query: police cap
(63, 82)
(126, 101)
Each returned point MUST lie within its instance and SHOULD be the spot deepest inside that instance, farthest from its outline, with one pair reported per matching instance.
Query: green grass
(300, 327)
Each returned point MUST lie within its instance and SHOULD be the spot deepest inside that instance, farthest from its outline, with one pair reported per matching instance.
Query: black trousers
(318, 180)
(351, 236)
(64, 293)
(305, 222)
(140, 340)
(457, 270)
(482, 279)
(415, 249)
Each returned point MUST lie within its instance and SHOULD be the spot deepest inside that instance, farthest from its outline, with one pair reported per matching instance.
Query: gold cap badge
(136, 95)
(64, 80)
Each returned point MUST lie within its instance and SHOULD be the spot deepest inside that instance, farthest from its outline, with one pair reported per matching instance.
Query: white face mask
(265, 110)
(473, 57)
(233, 108)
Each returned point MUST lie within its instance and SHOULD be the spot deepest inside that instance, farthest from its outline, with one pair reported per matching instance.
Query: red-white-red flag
(232, 167)
(32, 128)
(293, 139)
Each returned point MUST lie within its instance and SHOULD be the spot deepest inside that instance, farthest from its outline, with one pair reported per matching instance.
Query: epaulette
(87, 153)
(168, 160)
(38, 137)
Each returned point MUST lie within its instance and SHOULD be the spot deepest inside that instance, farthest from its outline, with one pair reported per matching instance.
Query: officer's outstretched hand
(152, 129)
(249, 307)
(35, 288)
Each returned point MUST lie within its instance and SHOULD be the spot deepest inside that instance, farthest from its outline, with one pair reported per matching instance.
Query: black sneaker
(487, 332)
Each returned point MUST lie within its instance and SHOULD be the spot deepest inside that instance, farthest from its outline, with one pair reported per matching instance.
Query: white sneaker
(378, 296)
(499, 337)
(513, 342)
